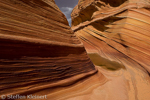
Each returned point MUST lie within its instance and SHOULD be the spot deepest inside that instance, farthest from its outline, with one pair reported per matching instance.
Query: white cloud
(67, 11)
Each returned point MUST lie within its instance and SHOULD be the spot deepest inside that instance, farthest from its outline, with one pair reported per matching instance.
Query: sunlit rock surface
(38, 50)
(41, 55)
(116, 35)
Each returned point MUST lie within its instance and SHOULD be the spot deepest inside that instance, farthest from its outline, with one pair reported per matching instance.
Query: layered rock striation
(116, 36)
(38, 49)
(119, 25)
(41, 55)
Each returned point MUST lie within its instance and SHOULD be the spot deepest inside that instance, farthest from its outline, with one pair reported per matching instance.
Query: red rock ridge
(122, 26)
(116, 36)
(38, 49)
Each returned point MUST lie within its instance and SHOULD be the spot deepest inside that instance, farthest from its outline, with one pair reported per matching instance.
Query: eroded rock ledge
(38, 49)
(40, 55)
(116, 36)
(121, 25)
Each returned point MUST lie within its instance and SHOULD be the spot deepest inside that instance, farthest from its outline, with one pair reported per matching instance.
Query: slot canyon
(103, 55)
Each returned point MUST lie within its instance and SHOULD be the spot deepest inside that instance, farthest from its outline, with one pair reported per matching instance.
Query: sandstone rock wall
(38, 50)
(119, 25)
(41, 55)
(116, 36)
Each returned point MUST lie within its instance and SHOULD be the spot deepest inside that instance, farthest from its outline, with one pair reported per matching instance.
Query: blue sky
(66, 6)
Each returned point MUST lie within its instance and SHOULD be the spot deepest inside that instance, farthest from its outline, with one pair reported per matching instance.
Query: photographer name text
(17, 96)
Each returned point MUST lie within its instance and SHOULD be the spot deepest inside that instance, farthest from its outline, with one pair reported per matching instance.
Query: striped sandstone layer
(116, 36)
(38, 49)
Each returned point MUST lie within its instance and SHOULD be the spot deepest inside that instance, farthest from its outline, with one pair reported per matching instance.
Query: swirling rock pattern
(116, 36)
(41, 55)
(124, 28)
(38, 49)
